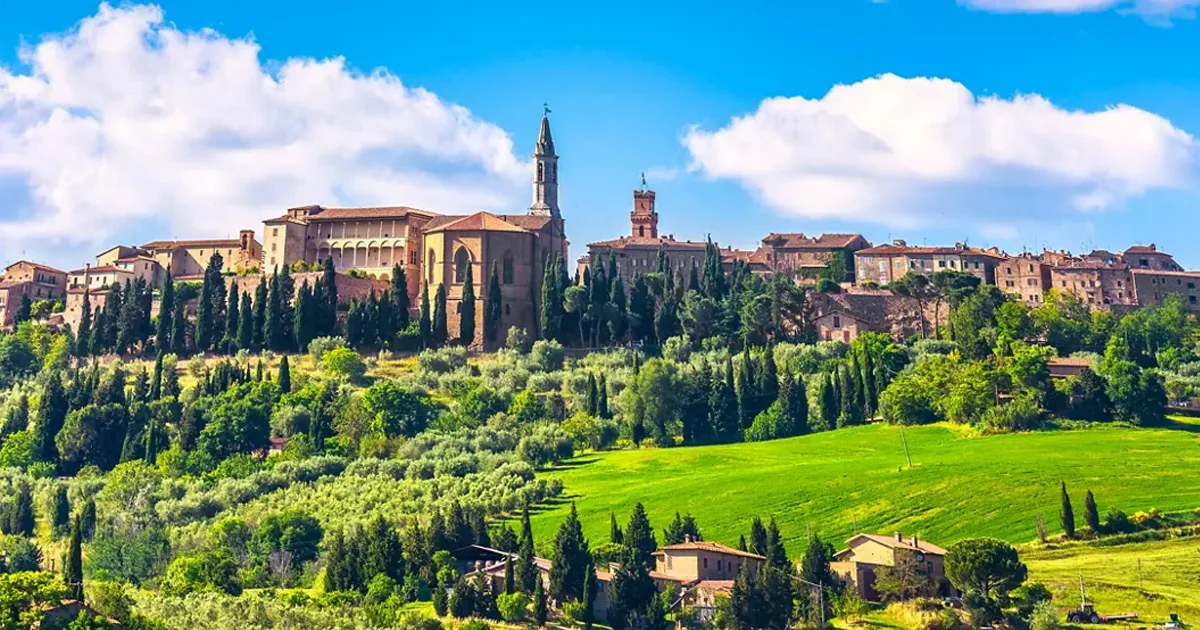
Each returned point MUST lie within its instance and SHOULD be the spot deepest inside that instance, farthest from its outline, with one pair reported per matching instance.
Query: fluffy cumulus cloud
(127, 123)
(918, 152)
(1151, 9)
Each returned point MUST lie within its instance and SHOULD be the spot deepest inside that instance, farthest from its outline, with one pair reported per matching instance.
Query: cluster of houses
(444, 251)
(701, 572)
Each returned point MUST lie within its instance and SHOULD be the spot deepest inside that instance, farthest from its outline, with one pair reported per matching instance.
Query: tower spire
(545, 175)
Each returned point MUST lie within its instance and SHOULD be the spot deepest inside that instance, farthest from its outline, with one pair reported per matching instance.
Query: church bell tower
(545, 174)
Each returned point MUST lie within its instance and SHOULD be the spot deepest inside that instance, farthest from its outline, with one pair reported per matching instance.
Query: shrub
(518, 340)
(1022, 413)
(343, 361)
(1045, 616)
(547, 355)
(1146, 518)
(474, 624)
(1116, 522)
(513, 606)
(319, 346)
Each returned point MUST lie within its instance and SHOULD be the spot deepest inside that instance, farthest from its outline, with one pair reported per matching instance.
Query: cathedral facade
(436, 250)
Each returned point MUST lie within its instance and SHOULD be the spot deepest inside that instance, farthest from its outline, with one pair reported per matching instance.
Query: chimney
(915, 542)
(687, 538)
(899, 537)
(899, 242)
(1153, 247)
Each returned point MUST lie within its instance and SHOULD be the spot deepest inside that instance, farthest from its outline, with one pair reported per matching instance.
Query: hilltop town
(858, 281)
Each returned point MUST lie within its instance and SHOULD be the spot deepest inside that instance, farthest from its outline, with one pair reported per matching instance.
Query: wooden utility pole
(904, 440)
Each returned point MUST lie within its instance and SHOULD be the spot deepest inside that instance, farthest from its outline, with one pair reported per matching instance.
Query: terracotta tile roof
(1164, 272)
(1145, 249)
(480, 221)
(890, 541)
(135, 259)
(35, 265)
(1087, 265)
(719, 586)
(756, 257)
(528, 221)
(897, 250)
(8, 284)
(871, 308)
(799, 240)
(707, 545)
(646, 242)
(1069, 362)
(215, 242)
(321, 213)
(103, 269)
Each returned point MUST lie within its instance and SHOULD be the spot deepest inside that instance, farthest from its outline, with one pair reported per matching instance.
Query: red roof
(898, 250)
(103, 269)
(1145, 249)
(707, 545)
(799, 240)
(890, 541)
(646, 242)
(35, 265)
(321, 213)
(480, 221)
(216, 242)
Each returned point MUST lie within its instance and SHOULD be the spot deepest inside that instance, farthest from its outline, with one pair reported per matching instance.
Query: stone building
(518, 246)
(810, 255)
(1151, 287)
(865, 554)
(1149, 257)
(371, 240)
(1025, 277)
(1096, 283)
(637, 253)
(190, 258)
(883, 264)
(35, 280)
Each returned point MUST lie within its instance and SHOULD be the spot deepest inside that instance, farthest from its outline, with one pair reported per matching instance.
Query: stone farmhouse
(28, 279)
(883, 264)
(699, 570)
(865, 554)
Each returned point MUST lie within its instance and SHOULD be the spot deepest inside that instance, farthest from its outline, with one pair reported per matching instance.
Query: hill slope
(958, 487)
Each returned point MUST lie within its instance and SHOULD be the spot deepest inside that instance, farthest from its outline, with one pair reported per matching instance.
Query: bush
(1146, 518)
(343, 361)
(321, 345)
(518, 340)
(513, 606)
(1116, 522)
(474, 624)
(1022, 413)
(1045, 616)
(547, 355)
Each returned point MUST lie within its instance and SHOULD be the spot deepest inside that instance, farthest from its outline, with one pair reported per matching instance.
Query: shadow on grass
(574, 463)
(1179, 423)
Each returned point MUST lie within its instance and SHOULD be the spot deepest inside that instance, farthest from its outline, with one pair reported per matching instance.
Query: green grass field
(1169, 578)
(958, 486)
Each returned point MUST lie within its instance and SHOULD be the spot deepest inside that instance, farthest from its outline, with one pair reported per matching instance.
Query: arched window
(506, 273)
(461, 260)
(429, 271)
(641, 230)
(541, 172)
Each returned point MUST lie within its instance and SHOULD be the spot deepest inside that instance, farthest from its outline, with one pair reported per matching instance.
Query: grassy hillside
(1170, 577)
(958, 486)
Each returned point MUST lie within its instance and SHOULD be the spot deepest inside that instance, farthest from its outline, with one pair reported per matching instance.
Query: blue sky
(633, 87)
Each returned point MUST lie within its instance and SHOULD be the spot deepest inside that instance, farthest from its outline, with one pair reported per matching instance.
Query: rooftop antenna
(643, 180)
(545, 109)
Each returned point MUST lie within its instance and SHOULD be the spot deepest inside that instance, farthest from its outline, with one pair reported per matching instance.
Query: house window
(1192, 299)
(669, 562)
(508, 309)
(1008, 283)
(461, 260)
(718, 565)
(837, 321)
(507, 267)
(429, 268)
(1191, 285)
(706, 563)
(942, 263)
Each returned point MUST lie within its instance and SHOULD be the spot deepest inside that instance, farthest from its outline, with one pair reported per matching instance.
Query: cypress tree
(590, 591)
(60, 511)
(73, 564)
(871, 395)
(758, 537)
(20, 517)
(304, 318)
(618, 326)
(602, 403)
(207, 314)
(541, 608)
(327, 319)
(24, 310)
(466, 310)
(179, 329)
(171, 383)
(526, 572)
(1091, 514)
(285, 376)
(615, 535)
(571, 560)
(829, 403)
(354, 324)
(257, 334)
(156, 380)
(51, 413)
(552, 301)
(510, 585)
(493, 309)
(793, 398)
(441, 603)
(439, 317)
(150, 448)
(639, 536)
(1068, 516)
(425, 322)
(87, 519)
(641, 311)
(768, 379)
(400, 302)
(96, 343)
(162, 337)
(273, 330)
(287, 310)
(245, 332)
(593, 398)
(84, 334)
(232, 308)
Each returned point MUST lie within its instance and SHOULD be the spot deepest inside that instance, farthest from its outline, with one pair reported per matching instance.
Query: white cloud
(126, 122)
(919, 152)
(1151, 9)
